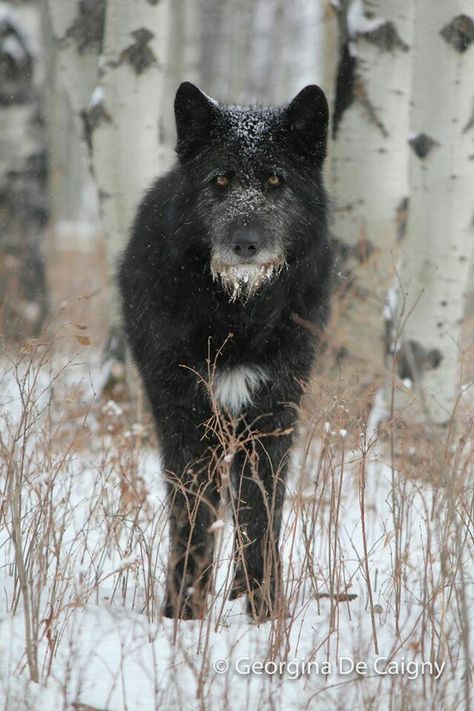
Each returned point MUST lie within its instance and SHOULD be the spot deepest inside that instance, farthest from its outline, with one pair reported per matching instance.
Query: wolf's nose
(245, 243)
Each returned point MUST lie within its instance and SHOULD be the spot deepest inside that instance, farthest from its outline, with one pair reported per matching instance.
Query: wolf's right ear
(194, 113)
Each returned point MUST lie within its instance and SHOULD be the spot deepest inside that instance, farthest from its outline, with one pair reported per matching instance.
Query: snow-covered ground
(378, 571)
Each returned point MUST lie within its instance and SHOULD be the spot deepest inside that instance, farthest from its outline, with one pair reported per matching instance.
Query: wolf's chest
(237, 387)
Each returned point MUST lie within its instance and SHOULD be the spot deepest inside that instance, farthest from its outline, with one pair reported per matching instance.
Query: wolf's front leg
(193, 498)
(260, 475)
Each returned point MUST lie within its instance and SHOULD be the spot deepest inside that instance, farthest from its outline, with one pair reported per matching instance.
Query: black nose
(245, 242)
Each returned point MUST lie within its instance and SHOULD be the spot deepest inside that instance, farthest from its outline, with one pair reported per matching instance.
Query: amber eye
(222, 181)
(273, 180)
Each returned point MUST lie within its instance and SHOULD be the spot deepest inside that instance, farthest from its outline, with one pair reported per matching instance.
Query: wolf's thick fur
(229, 258)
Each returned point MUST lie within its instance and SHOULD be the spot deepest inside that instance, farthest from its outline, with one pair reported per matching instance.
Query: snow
(111, 408)
(217, 525)
(97, 97)
(100, 502)
(357, 21)
(11, 46)
(210, 99)
(248, 127)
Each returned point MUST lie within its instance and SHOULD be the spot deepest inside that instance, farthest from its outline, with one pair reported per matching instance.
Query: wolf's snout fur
(243, 280)
(247, 263)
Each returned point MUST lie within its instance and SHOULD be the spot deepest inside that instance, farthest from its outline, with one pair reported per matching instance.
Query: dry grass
(377, 547)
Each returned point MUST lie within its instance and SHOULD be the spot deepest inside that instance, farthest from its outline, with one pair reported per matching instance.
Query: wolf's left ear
(306, 122)
(194, 113)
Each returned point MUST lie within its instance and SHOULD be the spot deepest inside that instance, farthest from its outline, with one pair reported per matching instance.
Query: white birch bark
(327, 51)
(302, 52)
(180, 61)
(23, 292)
(74, 224)
(234, 49)
(440, 231)
(263, 51)
(124, 119)
(77, 46)
(369, 165)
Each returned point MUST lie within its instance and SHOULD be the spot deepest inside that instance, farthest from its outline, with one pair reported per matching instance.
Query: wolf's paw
(263, 605)
(262, 601)
(240, 585)
(187, 609)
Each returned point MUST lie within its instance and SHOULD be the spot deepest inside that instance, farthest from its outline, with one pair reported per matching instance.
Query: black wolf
(226, 280)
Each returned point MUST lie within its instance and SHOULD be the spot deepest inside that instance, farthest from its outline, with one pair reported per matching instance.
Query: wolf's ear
(194, 112)
(306, 122)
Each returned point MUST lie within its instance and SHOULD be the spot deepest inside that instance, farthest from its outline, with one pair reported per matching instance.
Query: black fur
(180, 322)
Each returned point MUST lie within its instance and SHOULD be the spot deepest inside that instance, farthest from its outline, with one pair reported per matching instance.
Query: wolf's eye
(222, 181)
(274, 180)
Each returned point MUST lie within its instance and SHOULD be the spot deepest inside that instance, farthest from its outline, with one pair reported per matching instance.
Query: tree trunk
(440, 230)
(262, 51)
(77, 28)
(180, 61)
(225, 65)
(23, 203)
(74, 31)
(123, 121)
(369, 164)
(74, 245)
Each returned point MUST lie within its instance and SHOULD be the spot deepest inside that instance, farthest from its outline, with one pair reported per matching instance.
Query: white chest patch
(236, 387)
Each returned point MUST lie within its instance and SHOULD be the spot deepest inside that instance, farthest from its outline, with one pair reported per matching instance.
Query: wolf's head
(257, 177)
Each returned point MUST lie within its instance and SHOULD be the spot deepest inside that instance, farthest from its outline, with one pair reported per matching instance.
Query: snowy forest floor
(377, 544)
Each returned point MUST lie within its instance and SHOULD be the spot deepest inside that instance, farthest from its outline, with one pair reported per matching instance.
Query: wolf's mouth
(242, 281)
